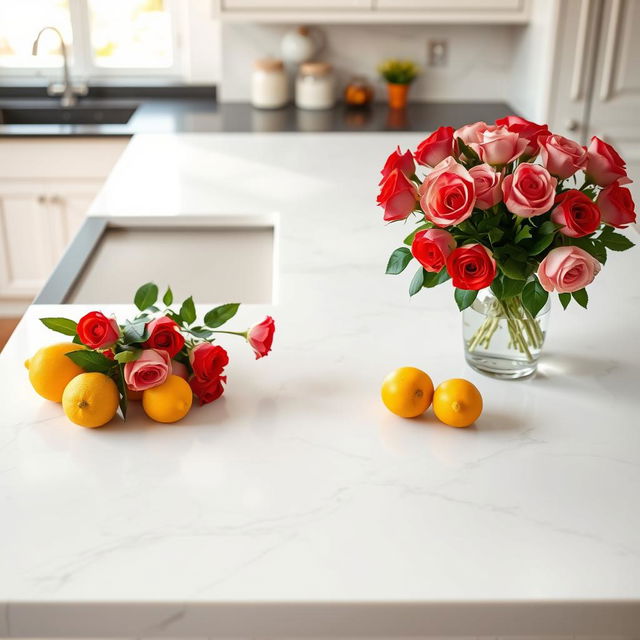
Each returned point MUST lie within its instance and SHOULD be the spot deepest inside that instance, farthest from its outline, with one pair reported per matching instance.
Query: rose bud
(529, 190)
(149, 370)
(401, 161)
(499, 146)
(487, 182)
(436, 147)
(616, 206)
(562, 157)
(260, 337)
(398, 196)
(164, 333)
(432, 247)
(208, 361)
(96, 331)
(567, 269)
(604, 165)
(207, 390)
(447, 194)
(471, 267)
(529, 131)
(578, 214)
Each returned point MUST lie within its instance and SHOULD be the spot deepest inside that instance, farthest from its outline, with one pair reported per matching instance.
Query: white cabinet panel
(452, 5)
(295, 5)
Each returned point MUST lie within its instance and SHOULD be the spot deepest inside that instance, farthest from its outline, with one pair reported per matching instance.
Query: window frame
(82, 65)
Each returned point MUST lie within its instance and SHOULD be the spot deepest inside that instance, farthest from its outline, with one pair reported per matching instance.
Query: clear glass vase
(502, 339)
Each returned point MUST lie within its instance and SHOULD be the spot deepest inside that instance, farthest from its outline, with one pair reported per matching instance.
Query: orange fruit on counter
(407, 392)
(50, 370)
(169, 401)
(457, 402)
(91, 399)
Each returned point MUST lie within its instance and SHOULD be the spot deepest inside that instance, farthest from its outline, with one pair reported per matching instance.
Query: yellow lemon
(457, 402)
(407, 392)
(90, 399)
(50, 370)
(169, 401)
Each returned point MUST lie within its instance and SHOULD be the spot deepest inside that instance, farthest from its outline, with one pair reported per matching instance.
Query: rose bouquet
(513, 208)
(159, 343)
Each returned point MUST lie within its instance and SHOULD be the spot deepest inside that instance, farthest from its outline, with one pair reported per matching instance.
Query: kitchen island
(296, 505)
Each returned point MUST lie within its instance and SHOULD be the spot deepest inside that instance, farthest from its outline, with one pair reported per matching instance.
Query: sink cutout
(214, 264)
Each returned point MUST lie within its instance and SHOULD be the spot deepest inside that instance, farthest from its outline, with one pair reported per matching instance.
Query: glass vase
(502, 339)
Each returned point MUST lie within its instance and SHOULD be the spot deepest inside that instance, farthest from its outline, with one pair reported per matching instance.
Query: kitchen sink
(55, 114)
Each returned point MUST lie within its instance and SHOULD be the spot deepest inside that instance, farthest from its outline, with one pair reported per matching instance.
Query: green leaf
(128, 356)
(547, 228)
(541, 243)
(200, 332)
(167, 298)
(464, 298)
(398, 261)
(433, 279)
(61, 325)
(523, 234)
(76, 340)
(218, 316)
(175, 317)
(134, 332)
(488, 223)
(504, 287)
(599, 251)
(581, 297)
(91, 361)
(188, 311)
(495, 235)
(514, 269)
(534, 297)
(409, 239)
(616, 242)
(565, 299)
(122, 388)
(146, 296)
(416, 282)
(468, 151)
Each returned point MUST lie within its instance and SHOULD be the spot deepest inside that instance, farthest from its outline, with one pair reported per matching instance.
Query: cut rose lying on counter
(161, 357)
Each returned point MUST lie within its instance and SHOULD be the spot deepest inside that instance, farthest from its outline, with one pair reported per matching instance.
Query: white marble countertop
(297, 505)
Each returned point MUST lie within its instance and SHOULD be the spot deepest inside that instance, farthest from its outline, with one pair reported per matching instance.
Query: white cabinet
(295, 5)
(46, 187)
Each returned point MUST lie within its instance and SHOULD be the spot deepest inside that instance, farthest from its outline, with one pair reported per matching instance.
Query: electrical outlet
(437, 53)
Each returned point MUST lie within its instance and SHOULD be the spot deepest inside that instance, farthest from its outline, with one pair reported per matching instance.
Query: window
(104, 37)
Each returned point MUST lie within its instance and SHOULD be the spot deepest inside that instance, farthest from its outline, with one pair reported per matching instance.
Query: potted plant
(399, 75)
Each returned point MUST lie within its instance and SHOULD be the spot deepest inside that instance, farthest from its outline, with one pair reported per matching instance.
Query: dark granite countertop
(195, 109)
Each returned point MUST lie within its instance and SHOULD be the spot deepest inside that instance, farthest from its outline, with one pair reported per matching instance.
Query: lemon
(169, 401)
(457, 402)
(407, 392)
(90, 399)
(50, 370)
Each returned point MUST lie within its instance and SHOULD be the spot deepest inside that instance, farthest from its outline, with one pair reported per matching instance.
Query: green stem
(231, 333)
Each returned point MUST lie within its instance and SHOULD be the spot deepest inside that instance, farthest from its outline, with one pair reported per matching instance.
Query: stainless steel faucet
(67, 91)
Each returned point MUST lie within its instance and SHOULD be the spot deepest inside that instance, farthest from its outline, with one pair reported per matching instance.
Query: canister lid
(269, 64)
(315, 68)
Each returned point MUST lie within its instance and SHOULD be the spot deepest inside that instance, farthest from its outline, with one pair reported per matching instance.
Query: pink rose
(398, 196)
(470, 132)
(260, 337)
(578, 214)
(562, 157)
(432, 247)
(488, 185)
(447, 194)
(604, 165)
(401, 161)
(436, 147)
(529, 131)
(149, 370)
(567, 269)
(529, 190)
(616, 206)
(179, 369)
(499, 146)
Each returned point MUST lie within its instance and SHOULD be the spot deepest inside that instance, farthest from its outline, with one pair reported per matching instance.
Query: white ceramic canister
(315, 86)
(269, 86)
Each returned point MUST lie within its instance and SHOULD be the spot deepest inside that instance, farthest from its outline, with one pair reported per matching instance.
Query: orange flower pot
(397, 94)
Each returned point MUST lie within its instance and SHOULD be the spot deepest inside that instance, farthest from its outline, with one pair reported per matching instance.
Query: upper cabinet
(377, 11)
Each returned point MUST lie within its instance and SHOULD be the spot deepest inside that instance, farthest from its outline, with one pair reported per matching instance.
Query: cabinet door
(471, 6)
(70, 203)
(294, 5)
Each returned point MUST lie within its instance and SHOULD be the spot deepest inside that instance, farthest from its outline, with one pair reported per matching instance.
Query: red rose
(164, 334)
(260, 337)
(401, 161)
(616, 206)
(471, 267)
(562, 157)
(207, 390)
(432, 247)
(398, 196)
(97, 331)
(578, 214)
(530, 131)
(436, 147)
(604, 165)
(208, 361)
(529, 190)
